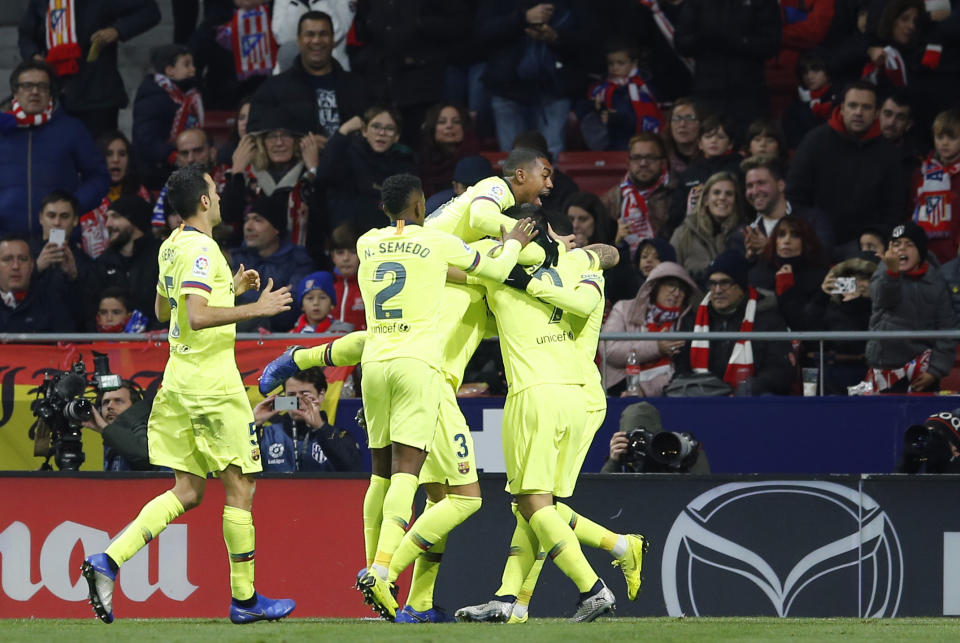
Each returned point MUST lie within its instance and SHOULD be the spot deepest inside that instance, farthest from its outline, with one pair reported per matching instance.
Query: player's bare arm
(161, 308)
(608, 255)
(271, 302)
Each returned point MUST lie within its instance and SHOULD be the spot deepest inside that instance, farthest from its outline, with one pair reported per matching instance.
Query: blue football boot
(435, 614)
(100, 578)
(276, 372)
(265, 609)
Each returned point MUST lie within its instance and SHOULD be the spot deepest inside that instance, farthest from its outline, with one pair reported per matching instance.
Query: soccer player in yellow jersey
(403, 269)
(201, 421)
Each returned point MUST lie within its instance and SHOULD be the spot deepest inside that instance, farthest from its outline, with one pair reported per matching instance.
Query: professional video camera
(661, 452)
(931, 445)
(61, 408)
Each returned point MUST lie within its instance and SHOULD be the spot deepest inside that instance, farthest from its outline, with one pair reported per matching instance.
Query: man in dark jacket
(751, 368)
(28, 305)
(729, 41)
(315, 85)
(121, 420)
(847, 169)
(302, 439)
(86, 57)
(43, 149)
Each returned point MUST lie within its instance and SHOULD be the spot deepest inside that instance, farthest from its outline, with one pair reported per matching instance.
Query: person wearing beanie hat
(900, 240)
(732, 264)
(316, 297)
(134, 209)
(469, 171)
(272, 209)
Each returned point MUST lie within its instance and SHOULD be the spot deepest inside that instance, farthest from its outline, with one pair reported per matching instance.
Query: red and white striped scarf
(659, 319)
(934, 204)
(634, 209)
(880, 379)
(30, 120)
(254, 49)
(649, 117)
(189, 106)
(666, 28)
(63, 50)
(893, 67)
(93, 230)
(740, 366)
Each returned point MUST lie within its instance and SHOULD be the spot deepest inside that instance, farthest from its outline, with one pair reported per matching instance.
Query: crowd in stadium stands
(784, 164)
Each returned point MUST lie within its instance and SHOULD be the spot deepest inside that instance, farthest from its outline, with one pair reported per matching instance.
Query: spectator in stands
(225, 153)
(356, 160)
(124, 431)
(936, 188)
(682, 135)
(534, 65)
(348, 306)
(315, 88)
(792, 267)
(650, 254)
(873, 240)
(302, 439)
(950, 272)
(847, 169)
(130, 260)
(717, 153)
(192, 147)
(641, 203)
(672, 73)
(664, 299)
(404, 53)
(592, 224)
(909, 294)
(469, 171)
(816, 98)
(445, 138)
(268, 249)
(115, 315)
(620, 106)
(729, 41)
(286, 20)
(43, 149)
(766, 194)
(845, 362)
(63, 262)
(765, 138)
(563, 185)
(844, 50)
(124, 177)
(234, 57)
(167, 103)
(731, 305)
(82, 49)
(896, 125)
(466, 62)
(316, 297)
(28, 305)
(711, 227)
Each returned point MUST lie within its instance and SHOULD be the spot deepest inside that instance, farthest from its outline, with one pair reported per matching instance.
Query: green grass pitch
(537, 630)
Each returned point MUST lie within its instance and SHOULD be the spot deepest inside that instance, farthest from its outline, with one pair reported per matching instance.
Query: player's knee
(466, 505)
(189, 497)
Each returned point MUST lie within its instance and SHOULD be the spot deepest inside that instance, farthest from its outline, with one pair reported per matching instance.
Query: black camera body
(927, 446)
(61, 408)
(661, 451)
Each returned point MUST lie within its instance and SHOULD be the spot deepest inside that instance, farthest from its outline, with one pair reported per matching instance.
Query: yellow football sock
(152, 519)
(523, 553)
(425, 570)
(561, 545)
(373, 514)
(529, 584)
(431, 526)
(590, 533)
(343, 351)
(240, 538)
(396, 517)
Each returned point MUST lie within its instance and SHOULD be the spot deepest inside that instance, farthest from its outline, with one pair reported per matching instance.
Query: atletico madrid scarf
(881, 379)
(934, 207)
(63, 50)
(740, 366)
(819, 101)
(254, 49)
(30, 120)
(893, 67)
(659, 319)
(303, 326)
(189, 106)
(649, 118)
(666, 28)
(634, 209)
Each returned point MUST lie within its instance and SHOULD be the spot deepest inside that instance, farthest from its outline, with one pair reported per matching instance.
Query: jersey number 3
(391, 290)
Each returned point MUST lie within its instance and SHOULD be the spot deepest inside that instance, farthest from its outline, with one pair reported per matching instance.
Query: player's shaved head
(396, 192)
(521, 158)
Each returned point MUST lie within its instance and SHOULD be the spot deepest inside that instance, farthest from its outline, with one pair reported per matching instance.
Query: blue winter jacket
(34, 161)
(287, 266)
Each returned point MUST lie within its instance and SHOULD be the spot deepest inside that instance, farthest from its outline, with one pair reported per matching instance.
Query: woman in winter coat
(668, 294)
(706, 232)
(792, 268)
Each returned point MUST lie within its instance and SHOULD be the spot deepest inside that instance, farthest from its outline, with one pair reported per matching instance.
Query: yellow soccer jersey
(402, 275)
(476, 213)
(202, 362)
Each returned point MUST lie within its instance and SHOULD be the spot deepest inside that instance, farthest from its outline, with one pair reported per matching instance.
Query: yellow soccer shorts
(401, 402)
(573, 451)
(202, 434)
(452, 459)
(536, 421)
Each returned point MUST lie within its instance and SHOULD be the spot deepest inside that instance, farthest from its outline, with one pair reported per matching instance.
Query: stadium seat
(219, 125)
(594, 172)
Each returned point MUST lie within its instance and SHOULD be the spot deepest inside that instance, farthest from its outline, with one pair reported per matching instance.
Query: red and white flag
(254, 49)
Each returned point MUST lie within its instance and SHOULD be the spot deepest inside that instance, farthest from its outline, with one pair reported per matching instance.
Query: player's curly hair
(395, 193)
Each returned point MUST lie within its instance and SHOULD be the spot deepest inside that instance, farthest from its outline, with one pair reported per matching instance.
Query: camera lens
(78, 410)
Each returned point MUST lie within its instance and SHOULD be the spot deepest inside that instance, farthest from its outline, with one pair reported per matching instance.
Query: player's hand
(264, 411)
(273, 302)
(243, 155)
(245, 280)
(524, 231)
(618, 445)
(518, 278)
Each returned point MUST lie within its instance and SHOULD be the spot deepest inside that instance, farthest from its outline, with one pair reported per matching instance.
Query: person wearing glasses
(731, 305)
(43, 149)
(358, 157)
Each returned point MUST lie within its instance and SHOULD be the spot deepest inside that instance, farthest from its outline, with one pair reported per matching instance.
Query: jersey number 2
(393, 289)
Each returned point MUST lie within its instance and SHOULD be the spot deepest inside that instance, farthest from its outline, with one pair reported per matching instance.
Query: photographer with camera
(294, 433)
(642, 446)
(120, 417)
(932, 447)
